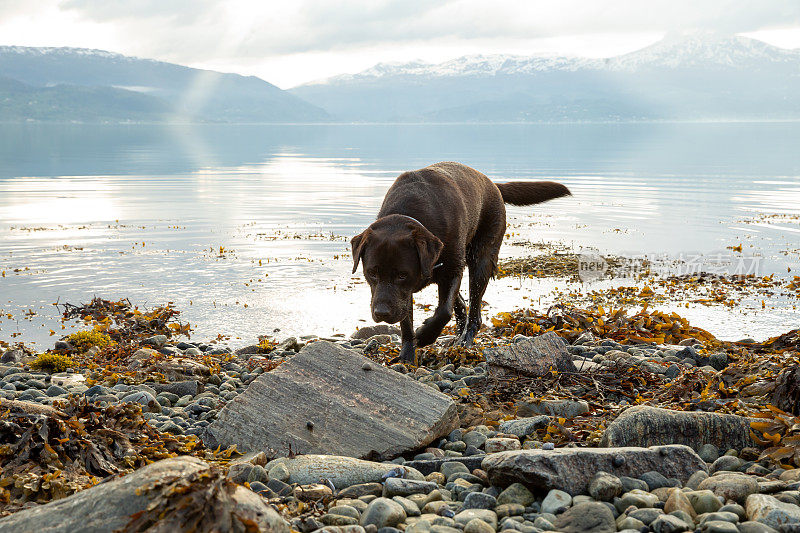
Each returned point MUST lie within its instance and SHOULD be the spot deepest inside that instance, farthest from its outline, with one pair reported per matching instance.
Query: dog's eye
(401, 276)
(372, 274)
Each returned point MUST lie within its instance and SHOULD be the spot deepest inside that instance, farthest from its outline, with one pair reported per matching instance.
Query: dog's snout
(382, 312)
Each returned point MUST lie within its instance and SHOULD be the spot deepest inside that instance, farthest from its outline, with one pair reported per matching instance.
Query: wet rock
(589, 517)
(530, 357)
(341, 471)
(653, 426)
(464, 517)
(145, 399)
(572, 469)
(516, 493)
(108, 506)
(677, 501)
(189, 387)
(379, 413)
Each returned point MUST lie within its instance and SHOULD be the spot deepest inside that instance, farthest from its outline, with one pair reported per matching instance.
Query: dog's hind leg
(431, 328)
(407, 351)
(482, 256)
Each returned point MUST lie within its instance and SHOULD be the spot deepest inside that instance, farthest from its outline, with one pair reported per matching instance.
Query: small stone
(495, 445)
(604, 487)
(479, 500)
(474, 438)
(523, 427)
(509, 509)
(708, 453)
(556, 499)
(383, 512)
(411, 508)
(590, 517)
(669, 524)
(279, 472)
(395, 486)
(726, 463)
(464, 517)
(704, 501)
(477, 525)
(55, 390)
(695, 479)
(731, 486)
(145, 399)
(771, 511)
(655, 480)
(677, 501)
(516, 493)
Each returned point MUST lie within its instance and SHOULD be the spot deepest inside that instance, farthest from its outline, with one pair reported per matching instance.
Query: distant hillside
(88, 85)
(689, 77)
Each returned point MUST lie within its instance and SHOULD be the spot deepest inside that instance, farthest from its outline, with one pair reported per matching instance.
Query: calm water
(142, 211)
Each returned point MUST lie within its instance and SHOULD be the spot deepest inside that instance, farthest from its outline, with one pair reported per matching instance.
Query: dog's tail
(531, 192)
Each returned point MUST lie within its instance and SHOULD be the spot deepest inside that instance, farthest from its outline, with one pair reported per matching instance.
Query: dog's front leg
(407, 352)
(431, 328)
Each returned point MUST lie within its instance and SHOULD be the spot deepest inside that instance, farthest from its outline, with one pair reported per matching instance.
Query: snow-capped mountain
(695, 76)
(85, 84)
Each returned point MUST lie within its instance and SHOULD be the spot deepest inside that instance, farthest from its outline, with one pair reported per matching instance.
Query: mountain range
(682, 77)
(63, 84)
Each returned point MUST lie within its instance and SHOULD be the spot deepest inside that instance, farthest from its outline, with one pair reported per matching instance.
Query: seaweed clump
(52, 362)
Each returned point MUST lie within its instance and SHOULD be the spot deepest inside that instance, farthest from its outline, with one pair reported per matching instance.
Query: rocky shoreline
(548, 424)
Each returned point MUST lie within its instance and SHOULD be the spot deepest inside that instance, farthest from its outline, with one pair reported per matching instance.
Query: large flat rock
(652, 426)
(341, 471)
(329, 400)
(571, 469)
(108, 506)
(534, 356)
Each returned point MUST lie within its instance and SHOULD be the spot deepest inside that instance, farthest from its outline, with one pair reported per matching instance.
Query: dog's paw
(427, 333)
(408, 354)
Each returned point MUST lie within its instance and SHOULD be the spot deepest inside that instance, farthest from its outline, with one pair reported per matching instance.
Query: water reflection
(142, 211)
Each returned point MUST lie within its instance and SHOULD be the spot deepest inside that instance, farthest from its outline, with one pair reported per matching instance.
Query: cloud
(247, 33)
(257, 28)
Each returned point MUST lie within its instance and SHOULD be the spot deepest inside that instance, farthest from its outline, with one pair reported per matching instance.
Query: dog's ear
(428, 247)
(358, 242)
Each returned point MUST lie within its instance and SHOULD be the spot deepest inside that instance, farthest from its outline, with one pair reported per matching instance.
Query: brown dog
(432, 223)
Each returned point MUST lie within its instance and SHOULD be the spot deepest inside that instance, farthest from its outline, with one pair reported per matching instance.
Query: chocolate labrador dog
(433, 222)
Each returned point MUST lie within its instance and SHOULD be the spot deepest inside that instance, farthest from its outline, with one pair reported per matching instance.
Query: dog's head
(399, 255)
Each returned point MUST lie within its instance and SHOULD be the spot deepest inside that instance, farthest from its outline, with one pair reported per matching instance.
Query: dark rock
(572, 469)
(396, 486)
(656, 480)
(653, 426)
(530, 357)
(108, 506)
(362, 489)
(555, 408)
(390, 414)
(12, 356)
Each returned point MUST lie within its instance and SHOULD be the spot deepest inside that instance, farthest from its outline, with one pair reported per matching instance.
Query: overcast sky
(288, 42)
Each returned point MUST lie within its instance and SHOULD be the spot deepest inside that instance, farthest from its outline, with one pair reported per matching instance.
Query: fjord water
(246, 228)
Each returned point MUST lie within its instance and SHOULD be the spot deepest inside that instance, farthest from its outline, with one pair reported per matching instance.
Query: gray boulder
(652, 426)
(530, 357)
(108, 506)
(326, 399)
(572, 469)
